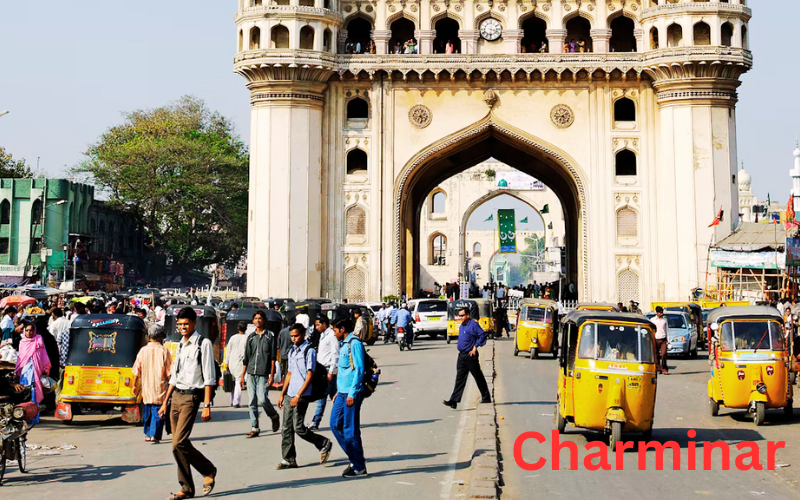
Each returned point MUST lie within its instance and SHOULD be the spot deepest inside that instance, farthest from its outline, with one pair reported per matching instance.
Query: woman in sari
(32, 363)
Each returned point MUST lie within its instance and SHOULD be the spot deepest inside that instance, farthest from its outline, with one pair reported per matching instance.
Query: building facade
(624, 109)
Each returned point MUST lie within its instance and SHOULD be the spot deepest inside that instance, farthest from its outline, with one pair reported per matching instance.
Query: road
(412, 442)
(525, 391)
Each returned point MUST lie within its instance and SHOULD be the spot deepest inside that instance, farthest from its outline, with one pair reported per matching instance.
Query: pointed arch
(401, 15)
(449, 15)
(578, 13)
(5, 212)
(355, 284)
(484, 15)
(533, 13)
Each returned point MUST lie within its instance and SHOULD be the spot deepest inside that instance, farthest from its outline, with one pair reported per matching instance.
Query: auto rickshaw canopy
(579, 317)
(721, 314)
(597, 306)
(207, 322)
(111, 340)
(472, 305)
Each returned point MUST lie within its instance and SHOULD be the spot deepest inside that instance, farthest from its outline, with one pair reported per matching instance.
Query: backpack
(217, 370)
(319, 380)
(369, 380)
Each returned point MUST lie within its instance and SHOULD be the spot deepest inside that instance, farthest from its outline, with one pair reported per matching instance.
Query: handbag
(228, 381)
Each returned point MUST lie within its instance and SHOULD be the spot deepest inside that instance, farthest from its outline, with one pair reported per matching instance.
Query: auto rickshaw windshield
(540, 314)
(751, 335)
(616, 342)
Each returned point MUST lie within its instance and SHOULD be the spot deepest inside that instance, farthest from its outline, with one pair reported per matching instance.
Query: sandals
(178, 496)
(208, 484)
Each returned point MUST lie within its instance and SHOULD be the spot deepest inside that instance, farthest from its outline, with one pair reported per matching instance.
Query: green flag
(545, 209)
(507, 228)
(491, 217)
(524, 221)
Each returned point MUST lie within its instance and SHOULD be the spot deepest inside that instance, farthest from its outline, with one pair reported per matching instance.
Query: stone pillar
(425, 40)
(284, 255)
(555, 40)
(381, 38)
(600, 40)
(512, 40)
(469, 41)
(642, 44)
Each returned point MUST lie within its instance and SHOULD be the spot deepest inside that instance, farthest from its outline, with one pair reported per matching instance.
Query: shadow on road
(392, 458)
(406, 422)
(512, 403)
(77, 474)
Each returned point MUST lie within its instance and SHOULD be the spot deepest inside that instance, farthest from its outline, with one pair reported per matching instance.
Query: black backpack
(319, 379)
(371, 376)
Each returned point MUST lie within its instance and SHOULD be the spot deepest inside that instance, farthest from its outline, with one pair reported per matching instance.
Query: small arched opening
(702, 34)
(279, 39)
(255, 38)
(624, 111)
(438, 250)
(447, 35)
(534, 35)
(438, 202)
(627, 223)
(625, 163)
(476, 250)
(359, 36)
(628, 286)
(327, 36)
(653, 38)
(579, 38)
(356, 162)
(307, 38)
(622, 35)
(36, 212)
(355, 285)
(5, 212)
(357, 109)
(355, 221)
(674, 35)
(727, 34)
(241, 40)
(402, 32)
(744, 38)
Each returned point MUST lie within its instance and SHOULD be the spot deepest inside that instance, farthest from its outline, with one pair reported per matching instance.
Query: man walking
(662, 329)
(346, 413)
(59, 329)
(234, 361)
(361, 329)
(470, 337)
(329, 358)
(259, 368)
(302, 363)
(284, 346)
(192, 380)
(152, 366)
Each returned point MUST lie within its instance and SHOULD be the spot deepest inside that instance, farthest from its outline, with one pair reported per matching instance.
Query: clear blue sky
(70, 67)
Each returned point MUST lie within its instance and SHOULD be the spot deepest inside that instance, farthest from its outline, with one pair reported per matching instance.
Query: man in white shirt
(303, 318)
(329, 357)
(662, 334)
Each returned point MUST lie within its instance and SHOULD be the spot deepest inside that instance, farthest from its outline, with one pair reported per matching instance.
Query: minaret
(286, 54)
(795, 173)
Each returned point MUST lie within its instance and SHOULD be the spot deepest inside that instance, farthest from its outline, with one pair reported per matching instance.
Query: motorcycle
(388, 335)
(14, 428)
(404, 339)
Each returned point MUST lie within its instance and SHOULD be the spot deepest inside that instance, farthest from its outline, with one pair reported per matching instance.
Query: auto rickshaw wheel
(694, 352)
(448, 339)
(615, 436)
(561, 422)
(22, 455)
(648, 434)
(759, 414)
(788, 410)
(534, 353)
(714, 407)
(516, 349)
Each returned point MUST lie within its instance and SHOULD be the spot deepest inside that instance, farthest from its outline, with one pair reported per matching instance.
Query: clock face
(491, 29)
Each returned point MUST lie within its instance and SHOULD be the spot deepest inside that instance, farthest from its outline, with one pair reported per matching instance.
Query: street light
(65, 249)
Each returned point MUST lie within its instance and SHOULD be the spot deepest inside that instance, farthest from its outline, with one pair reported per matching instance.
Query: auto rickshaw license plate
(634, 382)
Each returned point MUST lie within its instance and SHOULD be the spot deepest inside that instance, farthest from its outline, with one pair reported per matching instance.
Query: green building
(37, 218)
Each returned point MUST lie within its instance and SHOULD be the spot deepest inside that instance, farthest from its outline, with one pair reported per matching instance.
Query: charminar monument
(625, 110)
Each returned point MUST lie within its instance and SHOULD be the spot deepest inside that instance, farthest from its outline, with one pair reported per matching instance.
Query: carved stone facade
(634, 132)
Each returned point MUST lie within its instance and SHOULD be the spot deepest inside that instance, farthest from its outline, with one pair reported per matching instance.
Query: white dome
(744, 180)
(797, 152)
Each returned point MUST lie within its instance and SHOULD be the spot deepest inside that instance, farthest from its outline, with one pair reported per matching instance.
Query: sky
(69, 69)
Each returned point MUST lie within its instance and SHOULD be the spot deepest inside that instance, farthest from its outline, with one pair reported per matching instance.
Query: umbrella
(82, 300)
(17, 300)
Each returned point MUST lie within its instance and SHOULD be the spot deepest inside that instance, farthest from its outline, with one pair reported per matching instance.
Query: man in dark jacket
(259, 370)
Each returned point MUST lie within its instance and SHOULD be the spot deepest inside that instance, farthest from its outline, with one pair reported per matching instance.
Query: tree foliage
(182, 172)
(534, 247)
(11, 168)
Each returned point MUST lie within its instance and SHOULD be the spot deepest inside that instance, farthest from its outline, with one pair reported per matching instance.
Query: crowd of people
(357, 47)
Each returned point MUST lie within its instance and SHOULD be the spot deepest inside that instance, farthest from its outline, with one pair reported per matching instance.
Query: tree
(11, 168)
(182, 172)
(529, 258)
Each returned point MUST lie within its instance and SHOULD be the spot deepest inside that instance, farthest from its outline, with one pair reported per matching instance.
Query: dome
(503, 183)
(744, 180)
(797, 152)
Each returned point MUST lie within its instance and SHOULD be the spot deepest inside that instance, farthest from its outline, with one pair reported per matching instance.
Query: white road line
(447, 485)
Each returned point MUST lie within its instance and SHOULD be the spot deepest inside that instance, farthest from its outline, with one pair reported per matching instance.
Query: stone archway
(489, 138)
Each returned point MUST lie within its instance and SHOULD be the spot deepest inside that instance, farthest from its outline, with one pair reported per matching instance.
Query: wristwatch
(206, 405)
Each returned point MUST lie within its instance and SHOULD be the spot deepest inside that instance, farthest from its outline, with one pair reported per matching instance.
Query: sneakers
(313, 427)
(350, 472)
(451, 404)
(253, 433)
(276, 424)
(325, 452)
(285, 464)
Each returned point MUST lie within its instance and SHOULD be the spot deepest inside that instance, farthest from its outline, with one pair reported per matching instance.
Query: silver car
(429, 315)
(681, 334)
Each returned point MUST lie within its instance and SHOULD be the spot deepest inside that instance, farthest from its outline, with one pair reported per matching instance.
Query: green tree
(534, 247)
(182, 172)
(11, 168)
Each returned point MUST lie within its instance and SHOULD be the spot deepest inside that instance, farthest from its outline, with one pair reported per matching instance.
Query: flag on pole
(491, 217)
(717, 219)
(545, 209)
(524, 221)
(507, 229)
(790, 215)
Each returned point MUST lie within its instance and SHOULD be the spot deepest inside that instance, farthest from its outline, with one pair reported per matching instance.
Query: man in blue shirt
(470, 337)
(403, 320)
(392, 321)
(346, 414)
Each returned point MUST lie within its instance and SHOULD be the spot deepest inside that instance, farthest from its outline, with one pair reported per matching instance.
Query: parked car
(430, 316)
(681, 332)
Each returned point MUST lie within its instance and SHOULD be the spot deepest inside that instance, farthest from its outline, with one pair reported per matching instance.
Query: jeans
(257, 392)
(294, 423)
(153, 424)
(330, 392)
(346, 427)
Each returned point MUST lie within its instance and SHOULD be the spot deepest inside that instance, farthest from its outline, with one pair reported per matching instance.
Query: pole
(708, 260)
(75, 266)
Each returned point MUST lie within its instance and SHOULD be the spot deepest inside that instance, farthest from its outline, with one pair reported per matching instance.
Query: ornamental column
(555, 40)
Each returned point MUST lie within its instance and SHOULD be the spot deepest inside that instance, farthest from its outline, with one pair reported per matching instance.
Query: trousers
(153, 424)
(294, 423)
(346, 428)
(258, 393)
(330, 392)
(661, 352)
(466, 365)
(182, 417)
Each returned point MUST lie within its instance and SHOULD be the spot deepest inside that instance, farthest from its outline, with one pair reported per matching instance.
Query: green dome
(503, 183)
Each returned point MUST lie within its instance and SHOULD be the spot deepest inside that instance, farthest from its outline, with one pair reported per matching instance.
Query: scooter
(405, 338)
(388, 335)
(14, 429)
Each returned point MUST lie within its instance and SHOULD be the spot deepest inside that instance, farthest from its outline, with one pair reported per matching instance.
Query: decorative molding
(420, 116)
(490, 98)
(562, 116)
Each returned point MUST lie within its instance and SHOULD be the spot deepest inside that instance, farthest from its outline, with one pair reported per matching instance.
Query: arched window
(446, 32)
(744, 38)
(625, 163)
(653, 38)
(674, 35)
(624, 110)
(359, 34)
(356, 221)
(627, 223)
(534, 38)
(307, 38)
(355, 284)
(438, 202)
(326, 40)
(357, 109)
(702, 34)
(36, 212)
(578, 30)
(727, 34)
(241, 40)
(622, 37)
(357, 162)
(402, 31)
(280, 37)
(438, 250)
(5, 212)
(628, 286)
(255, 38)
(476, 250)
(257, 3)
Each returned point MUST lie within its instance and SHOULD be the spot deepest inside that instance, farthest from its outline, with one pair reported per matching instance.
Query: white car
(429, 315)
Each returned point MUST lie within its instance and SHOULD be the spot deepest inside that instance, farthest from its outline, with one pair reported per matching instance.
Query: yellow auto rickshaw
(480, 310)
(749, 361)
(97, 375)
(607, 380)
(537, 327)
(596, 306)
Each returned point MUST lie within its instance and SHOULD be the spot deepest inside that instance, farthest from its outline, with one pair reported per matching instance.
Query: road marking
(447, 486)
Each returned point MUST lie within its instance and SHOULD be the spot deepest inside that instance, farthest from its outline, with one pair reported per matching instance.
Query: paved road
(526, 392)
(412, 442)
